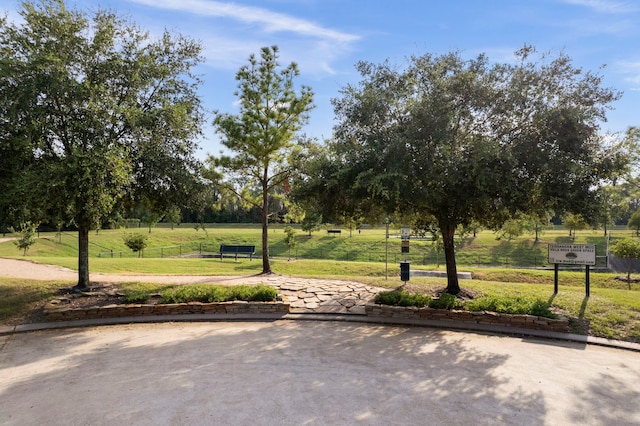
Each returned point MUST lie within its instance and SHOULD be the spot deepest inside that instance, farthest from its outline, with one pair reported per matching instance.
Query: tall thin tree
(263, 134)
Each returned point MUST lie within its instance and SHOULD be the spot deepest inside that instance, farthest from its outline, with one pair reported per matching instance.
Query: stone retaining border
(531, 322)
(56, 312)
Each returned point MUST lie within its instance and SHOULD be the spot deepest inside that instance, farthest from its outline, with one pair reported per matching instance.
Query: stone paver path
(323, 296)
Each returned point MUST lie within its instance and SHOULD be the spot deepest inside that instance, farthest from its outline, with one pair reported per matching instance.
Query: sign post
(405, 268)
(572, 254)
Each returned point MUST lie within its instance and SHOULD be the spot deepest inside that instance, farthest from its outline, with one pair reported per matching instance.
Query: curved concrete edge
(450, 325)
(26, 328)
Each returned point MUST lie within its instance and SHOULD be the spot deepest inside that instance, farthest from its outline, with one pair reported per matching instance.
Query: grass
(612, 311)
(18, 296)
(370, 245)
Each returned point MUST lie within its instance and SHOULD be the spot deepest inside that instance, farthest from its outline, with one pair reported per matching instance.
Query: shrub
(136, 242)
(511, 305)
(216, 293)
(445, 301)
(402, 298)
(136, 296)
(26, 236)
(263, 293)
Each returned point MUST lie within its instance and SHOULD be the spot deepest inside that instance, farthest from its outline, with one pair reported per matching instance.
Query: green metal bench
(235, 250)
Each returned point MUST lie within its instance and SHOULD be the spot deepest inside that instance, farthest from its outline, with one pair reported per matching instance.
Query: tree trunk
(83, 257)
(266, 265)
(448, 233)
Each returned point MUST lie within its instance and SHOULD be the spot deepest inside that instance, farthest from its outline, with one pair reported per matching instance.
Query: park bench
(237, 250)
(333, 231)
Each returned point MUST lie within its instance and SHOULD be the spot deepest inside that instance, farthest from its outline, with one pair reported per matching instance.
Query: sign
(405, 232)
(572, 254)
(404, 245)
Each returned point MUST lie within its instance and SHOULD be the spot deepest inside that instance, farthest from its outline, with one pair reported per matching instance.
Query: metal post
(555, 278)
(386, 256)
(586, 282)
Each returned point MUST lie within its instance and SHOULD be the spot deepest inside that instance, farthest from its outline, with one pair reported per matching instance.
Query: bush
(26, 236)
(445, 301)
(402, 298)
(511, 305)
(216, 293)
(136, 296)
(263, 293)
(136, 242)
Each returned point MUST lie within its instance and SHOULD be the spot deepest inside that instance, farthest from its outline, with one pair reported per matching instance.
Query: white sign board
(405, 232)
(572, 254)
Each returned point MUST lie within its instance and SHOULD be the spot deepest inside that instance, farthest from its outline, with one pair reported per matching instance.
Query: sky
(326, 38)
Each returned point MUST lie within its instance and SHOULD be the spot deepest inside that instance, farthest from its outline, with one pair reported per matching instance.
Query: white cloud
(632, 71)
(270, 21)
(239, 31)
(606, 6)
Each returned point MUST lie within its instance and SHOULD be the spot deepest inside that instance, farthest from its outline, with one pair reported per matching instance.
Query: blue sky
(327, 37)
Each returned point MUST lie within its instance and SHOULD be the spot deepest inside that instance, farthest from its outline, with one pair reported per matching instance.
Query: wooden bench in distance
(334, 231)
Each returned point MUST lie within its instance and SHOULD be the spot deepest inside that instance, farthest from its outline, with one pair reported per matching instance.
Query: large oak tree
(95, 113)
(457, 141)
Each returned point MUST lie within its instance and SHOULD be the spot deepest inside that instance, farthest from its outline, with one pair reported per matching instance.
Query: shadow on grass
(583, 307)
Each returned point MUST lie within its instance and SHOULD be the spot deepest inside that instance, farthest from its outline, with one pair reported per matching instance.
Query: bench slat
(227, 248)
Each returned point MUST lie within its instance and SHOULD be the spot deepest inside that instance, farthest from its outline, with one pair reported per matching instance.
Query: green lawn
(369, 245)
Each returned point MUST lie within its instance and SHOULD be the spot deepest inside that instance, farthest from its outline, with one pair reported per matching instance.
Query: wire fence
(420, 258)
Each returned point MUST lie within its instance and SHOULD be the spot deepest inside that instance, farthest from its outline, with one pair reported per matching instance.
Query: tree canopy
(263, 135)
(95, 114)
(457, 141)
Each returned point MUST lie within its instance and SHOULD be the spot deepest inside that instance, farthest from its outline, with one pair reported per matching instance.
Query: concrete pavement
(336, 371)
(294, 373)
